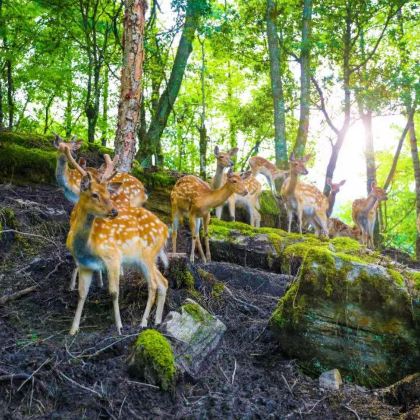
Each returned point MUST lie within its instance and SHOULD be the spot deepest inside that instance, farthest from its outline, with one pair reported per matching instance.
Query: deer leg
(175, 225)
(232, 208)
(299, 215)
(149, 275)
(195, 229)
(101, 279)
(162, 287)
(290, 218)
(74, 278)
(85, 279)
(113, 268)
(219, 211)
(206, 221)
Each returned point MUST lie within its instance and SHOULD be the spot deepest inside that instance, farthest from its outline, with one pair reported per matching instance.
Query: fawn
(334, 190)
(364, 213)
(303, 199)
(262, 166)
(249, 201)
(103, 236)
(337, 228)
(193, 197)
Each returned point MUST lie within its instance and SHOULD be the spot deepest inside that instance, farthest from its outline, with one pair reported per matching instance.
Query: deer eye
(95, 196)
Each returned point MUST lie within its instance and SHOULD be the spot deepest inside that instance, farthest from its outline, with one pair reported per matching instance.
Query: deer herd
(110, 228)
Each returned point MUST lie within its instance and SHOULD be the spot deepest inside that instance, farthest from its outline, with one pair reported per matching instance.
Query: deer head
(235, 182)
(379, 193)
(61, 145)
(335, 188)
(224, 159)
(297, 165)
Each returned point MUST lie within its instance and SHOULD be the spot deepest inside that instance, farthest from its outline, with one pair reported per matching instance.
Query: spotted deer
(262, 166)
(364, 213)
(194, 198)
(104, 236)
(250, 201)
(334, 190)
(132, 191)
(337, 228)
(304, 200)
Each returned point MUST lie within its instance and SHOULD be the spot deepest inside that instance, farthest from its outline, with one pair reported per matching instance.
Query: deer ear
(82, 163)
(85, 182)
(113, 187)
(246, 175)
(76, 145)
(342, 182)
(216, 151)
(292, 157)
(230, 172)
(306, 158)
(234, 151)
(57, 140)
(373, 185)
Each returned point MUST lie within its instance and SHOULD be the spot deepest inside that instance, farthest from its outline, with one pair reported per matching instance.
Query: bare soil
(44, 373)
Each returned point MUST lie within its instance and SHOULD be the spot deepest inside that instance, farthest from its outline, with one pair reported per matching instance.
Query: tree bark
(203, 129)
(416, 168)
(369, 149)
(47, 113)
(105, 94)
(68, 112)
(150, 144)
(280, 145)
(1, 106)
(342, 132)
(131, 76)
(305, 79)
(10, 94)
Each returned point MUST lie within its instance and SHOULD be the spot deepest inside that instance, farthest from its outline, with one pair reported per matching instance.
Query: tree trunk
(305, 79)
(10, 94)
(341, 134)
(68, 112)
(1, 106)
(416, 168)
(105, 92)
(369, 150)
(203, 129)
(47, 113)
(232, 124)
(150, 144)
(280, 145)
(131, 75)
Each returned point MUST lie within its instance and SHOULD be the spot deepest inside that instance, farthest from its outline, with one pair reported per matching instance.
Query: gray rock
(194, 334)
(330, 379)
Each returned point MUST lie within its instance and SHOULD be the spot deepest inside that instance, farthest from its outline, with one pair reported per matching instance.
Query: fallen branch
(33, 235)
(12, 376)
(353, 411)
(143, 384)
(17, 295)
(73, 382)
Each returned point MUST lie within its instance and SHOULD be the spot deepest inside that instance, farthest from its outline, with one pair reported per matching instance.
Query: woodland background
(270, 76)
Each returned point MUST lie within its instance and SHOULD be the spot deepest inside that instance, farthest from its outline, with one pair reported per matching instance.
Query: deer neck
(81, 230)
(331, 202)
(219, 177)
(371, 202)
(62, 177)
(217, 197)
(291, 186)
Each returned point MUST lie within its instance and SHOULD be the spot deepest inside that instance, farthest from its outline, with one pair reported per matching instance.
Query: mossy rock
(346, 313)
(152, 360)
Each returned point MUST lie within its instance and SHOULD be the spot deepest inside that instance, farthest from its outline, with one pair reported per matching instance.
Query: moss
(181, 275)
(153, 180)
(196, 312)
(153, 359)
(217, 290)
(268, 204)
(343, 244)
(396, 276)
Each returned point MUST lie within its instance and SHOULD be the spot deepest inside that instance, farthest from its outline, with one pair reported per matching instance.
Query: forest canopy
(336, 78)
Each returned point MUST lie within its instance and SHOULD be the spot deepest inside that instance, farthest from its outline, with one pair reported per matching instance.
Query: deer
(334, 190)
(304, 200)
(337, 228)
(250, 201)
(132, 191)
(364, 213)
(193, 197)
(264, 167)
(104, 236)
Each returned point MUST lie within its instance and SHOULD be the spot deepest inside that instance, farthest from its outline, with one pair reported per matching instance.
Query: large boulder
(347, 313)
(348, 308)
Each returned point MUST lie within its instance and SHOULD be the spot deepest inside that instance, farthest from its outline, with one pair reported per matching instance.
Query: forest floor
(45, 373)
